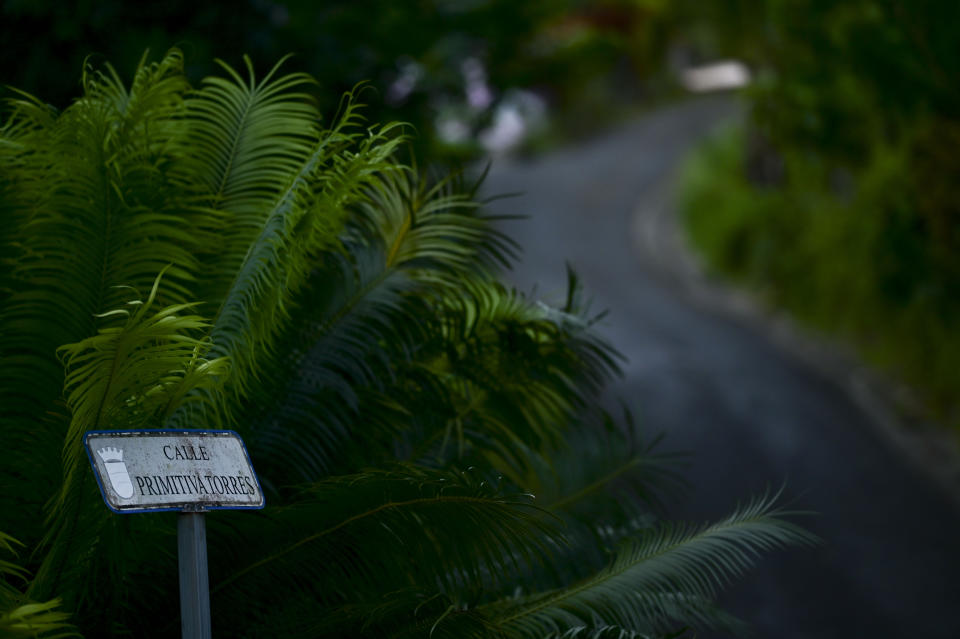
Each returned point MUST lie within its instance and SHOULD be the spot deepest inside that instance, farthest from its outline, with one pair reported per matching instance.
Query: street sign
(189, 470)
(141, 471)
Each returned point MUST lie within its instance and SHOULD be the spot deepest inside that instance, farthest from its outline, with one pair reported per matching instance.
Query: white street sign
(192, 470)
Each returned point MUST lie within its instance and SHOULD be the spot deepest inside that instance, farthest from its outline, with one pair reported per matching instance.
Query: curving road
(750, 413)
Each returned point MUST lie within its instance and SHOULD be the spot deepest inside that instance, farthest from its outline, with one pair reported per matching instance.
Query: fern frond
(606, 470)
(36, 621)
(356, 316)
(435, 230)
(117, 378)
(92, 211)
(363, 312)
(607, 484)
(517, 371)
(245, 140)
(383, 530)
(132, 375)
(21, 617)
(303, 219)
(661, 578)
(410, 297)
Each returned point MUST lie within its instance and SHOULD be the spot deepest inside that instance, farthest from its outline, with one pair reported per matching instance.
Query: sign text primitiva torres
(151, 470)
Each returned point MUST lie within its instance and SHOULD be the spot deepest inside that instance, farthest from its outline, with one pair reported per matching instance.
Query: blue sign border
(169, 431)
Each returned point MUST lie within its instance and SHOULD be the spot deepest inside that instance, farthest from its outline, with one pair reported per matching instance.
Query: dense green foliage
(423, 58)
(840, 198)
(214, 257)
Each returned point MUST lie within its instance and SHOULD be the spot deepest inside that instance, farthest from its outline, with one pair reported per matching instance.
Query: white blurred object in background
(716, 76)
(519, 114)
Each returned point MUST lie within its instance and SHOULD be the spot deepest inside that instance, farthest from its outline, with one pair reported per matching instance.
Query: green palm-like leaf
(246, 139)
(132, 375)
(392, 530)
(518, 373)
(89, 212)
(432, 229)
(662, 578)
(368, 310)
(303, 219)
(20, 617)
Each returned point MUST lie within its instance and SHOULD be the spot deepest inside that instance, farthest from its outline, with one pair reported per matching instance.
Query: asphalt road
(750, 414)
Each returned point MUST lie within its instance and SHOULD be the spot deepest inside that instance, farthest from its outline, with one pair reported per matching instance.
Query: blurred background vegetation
(455, 69)
(838, 197)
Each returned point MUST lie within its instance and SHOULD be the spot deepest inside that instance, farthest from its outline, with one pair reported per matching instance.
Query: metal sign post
(194, 583)
(190, 471)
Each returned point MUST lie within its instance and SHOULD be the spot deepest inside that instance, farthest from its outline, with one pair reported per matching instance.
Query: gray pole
(194, 583)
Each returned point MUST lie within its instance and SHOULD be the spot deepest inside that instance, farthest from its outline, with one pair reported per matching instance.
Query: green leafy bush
(860, 265)
(214, 257)
(839, 199)
(19, 616)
